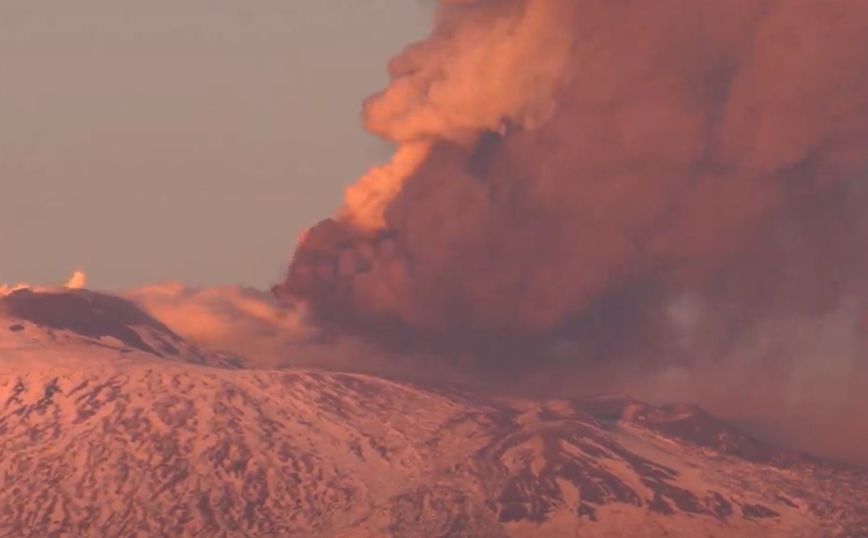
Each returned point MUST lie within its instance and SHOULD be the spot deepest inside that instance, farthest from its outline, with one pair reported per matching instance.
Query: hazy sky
(186, 140)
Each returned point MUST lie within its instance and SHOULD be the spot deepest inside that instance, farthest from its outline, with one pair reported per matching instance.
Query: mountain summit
(112, 425)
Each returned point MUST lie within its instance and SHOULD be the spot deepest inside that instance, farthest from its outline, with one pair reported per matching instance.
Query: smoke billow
(77, 280)
(231, 319)
(268, 334)
(672, 189)
(552, 153)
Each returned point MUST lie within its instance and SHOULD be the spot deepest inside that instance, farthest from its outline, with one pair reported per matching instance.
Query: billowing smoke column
(663, 174)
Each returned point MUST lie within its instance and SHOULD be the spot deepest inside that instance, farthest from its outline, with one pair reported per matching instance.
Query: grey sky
(191, 140)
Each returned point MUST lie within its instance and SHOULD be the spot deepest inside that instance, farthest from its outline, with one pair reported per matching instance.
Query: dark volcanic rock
(89, 314)
(690, 424)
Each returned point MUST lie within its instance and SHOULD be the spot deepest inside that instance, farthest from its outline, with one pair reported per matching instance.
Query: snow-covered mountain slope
(74, 322)
(115, 440)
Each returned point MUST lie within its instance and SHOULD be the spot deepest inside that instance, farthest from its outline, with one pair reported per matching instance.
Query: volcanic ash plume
(77, 281)
(565, 162)
(486, 66)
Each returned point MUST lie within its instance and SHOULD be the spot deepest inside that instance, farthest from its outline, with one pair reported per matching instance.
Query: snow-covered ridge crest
(80, 322)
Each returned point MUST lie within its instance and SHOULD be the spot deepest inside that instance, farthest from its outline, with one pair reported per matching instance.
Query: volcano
(113, 425)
